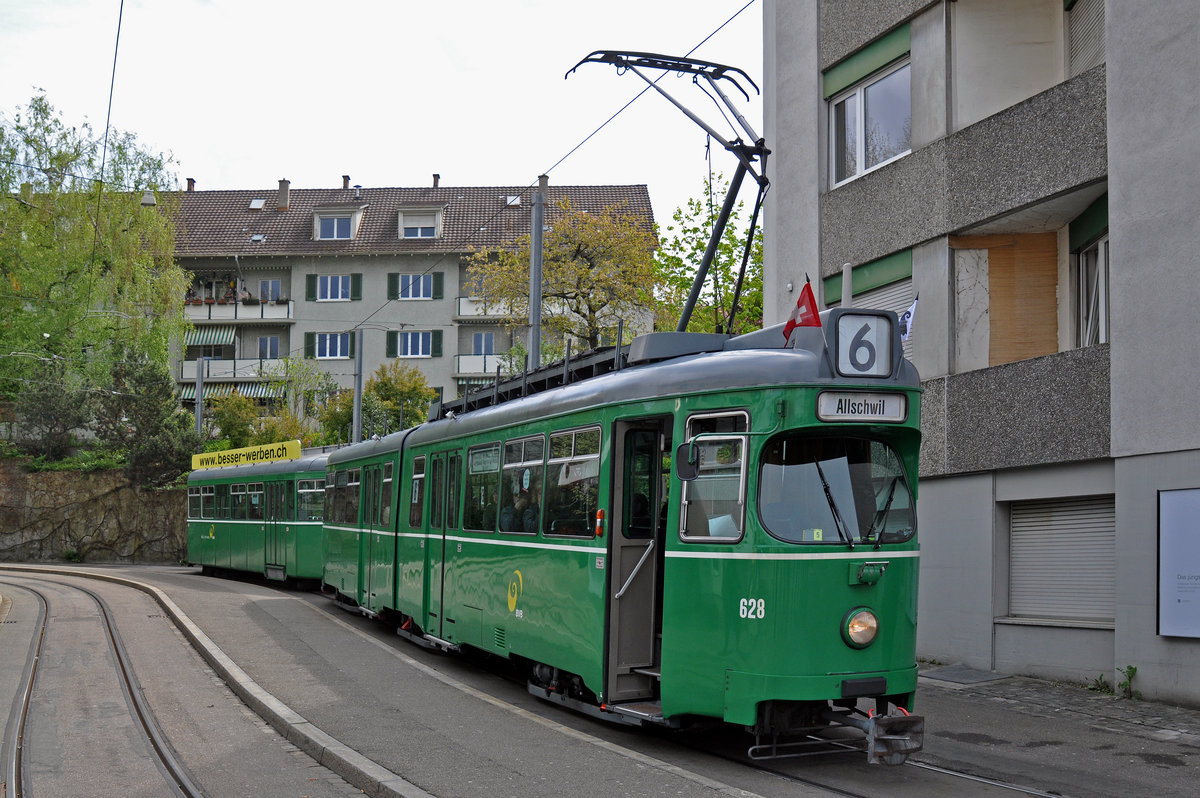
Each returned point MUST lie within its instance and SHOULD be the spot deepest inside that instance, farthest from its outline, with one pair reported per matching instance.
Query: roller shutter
(1085, 31)
(897, 296)
(1062, 559)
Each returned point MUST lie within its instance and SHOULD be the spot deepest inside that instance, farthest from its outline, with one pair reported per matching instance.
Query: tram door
(636, 544)
(436, 545)
(277, 521)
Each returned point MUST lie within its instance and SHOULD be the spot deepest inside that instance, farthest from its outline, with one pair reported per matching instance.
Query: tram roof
(304, 463)
(659, 365)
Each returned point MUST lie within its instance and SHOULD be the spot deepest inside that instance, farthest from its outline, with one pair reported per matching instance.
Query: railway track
(77, 674)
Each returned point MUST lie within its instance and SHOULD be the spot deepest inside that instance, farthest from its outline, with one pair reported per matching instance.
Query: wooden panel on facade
(1023, 302)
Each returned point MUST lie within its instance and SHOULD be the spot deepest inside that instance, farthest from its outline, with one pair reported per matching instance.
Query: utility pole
(356, 430)
(536, 225)
(201, 364)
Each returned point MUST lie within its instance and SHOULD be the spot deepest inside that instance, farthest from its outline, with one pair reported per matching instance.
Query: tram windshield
(834, 490)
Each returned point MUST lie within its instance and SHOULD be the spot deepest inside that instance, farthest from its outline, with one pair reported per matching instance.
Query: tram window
(437, 492)
(834, 489)
(351, 500)
(254, 491)
(483, 488)
(385, 497)
(237, 498)
(714, 502)
(418, 493)
(573, 483)
(522, 485)
(452, 481)
(206, 501)
(284, 511)
(194, 502)
(310, 499)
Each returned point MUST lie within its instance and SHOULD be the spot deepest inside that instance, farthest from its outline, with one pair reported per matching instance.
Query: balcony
(472, 309)
(476, 365)
(242, 369)
(276, 310)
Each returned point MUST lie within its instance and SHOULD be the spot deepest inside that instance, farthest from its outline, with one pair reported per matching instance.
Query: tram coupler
(890, 738)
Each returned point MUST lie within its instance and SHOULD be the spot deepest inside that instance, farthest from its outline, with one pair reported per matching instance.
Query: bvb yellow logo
(515, 585)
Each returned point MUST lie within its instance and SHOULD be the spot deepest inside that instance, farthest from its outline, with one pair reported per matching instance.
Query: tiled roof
(221, 223)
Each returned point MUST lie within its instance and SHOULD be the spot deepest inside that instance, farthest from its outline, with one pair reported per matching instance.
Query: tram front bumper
(745, 691)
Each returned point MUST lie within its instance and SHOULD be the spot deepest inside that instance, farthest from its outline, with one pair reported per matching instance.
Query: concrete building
(1028, 168)
(295, 272)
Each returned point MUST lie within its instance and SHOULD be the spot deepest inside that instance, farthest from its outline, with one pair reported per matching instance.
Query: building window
(1092, 281)
(871, 123)
(334, 227)
(268, 289)
(268, 347)
(418, 224)
(416, 286)
(482, 343)
(333, 286)
(415, 344)
(333, 345)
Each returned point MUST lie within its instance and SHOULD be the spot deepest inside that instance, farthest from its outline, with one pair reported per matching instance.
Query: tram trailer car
(263, 519)
(724, 528)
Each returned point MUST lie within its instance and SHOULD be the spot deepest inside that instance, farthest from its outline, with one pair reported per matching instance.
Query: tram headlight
(859, 627)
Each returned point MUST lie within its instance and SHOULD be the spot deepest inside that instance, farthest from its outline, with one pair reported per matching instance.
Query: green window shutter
(393, 342)
(1089, 225)
(435, 344)
(439, 280)
(393, 285)
(356, 286)
(310, 343)
(353, 334)
(310, 287)
(872, 58)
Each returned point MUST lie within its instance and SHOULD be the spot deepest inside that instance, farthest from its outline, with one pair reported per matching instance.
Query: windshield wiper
(837, 516)
(881, 516)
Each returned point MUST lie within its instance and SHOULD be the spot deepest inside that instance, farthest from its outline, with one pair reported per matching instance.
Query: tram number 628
(752, 608)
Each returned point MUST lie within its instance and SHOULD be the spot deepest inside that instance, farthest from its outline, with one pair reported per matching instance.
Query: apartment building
(296, 272)
(1027, 168)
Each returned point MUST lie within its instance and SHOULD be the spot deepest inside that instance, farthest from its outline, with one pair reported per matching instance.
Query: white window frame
(414, 343)
(855, 97)
(336, 219)
(415, 286)
(333, 288)
(272, 344)
(412, 223)
(483, 343)
(270, 289)
(1091, 276)
(333, 346)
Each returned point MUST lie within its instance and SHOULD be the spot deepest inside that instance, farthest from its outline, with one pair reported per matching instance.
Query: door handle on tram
(636, 568)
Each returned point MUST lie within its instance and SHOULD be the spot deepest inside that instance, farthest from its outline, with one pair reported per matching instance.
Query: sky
(243, 93)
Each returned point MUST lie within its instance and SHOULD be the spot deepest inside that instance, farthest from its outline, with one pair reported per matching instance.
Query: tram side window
(206, 501)
(350, 503)
(713, 502)
(522, 485)
(572, 482)
(222, 502)
(194, 502)
(255, 506)
(310, 499)
(385, 497)
(417, 500)
(483, 488)
(238, 501)
(335, 498)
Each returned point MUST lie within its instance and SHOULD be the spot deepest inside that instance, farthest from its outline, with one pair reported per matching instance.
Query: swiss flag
(805, 314)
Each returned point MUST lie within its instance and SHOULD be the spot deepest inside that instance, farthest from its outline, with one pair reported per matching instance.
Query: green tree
(302, 386)
(402, 392)
(51, 406)
(141, 417)
(234, 415)
(87, 274)
(681, 252)
(598, 269)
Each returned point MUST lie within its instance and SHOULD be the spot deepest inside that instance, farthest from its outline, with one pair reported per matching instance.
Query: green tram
(694, 527)
(263, 519)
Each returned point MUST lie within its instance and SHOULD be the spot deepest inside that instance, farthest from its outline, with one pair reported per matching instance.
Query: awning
(253, 390)
(215, 335)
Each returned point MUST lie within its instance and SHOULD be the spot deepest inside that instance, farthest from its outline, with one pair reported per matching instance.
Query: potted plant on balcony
(280, 300)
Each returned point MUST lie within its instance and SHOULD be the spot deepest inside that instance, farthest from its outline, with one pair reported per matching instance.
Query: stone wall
(88, 517)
